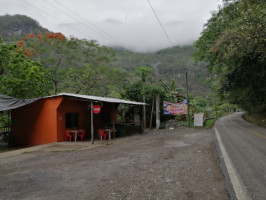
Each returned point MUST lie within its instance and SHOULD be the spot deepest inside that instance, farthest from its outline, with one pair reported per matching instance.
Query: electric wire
(60, 10)
(160, 24)
(98, 30)
(52, 17)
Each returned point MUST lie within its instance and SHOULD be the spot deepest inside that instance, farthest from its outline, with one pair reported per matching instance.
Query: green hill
(15, 27)
(168, 65)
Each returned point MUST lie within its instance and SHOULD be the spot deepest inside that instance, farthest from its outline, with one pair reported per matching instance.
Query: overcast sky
(128, 23)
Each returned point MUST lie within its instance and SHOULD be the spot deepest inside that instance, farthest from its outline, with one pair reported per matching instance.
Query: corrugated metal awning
(9, 103)
(103, 99)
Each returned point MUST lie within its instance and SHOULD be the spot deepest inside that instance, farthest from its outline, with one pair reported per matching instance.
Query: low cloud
(126, 23)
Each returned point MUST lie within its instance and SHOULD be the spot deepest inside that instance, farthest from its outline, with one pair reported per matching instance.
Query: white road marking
(239, 188)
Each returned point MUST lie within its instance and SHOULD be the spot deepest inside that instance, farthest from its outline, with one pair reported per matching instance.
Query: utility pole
(188, 116)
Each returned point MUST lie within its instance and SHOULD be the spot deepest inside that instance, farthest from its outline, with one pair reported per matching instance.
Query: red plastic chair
(69, 135)
(102, 134)
(82, 134)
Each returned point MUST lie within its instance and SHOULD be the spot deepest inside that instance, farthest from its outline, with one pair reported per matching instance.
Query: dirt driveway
(176, 164)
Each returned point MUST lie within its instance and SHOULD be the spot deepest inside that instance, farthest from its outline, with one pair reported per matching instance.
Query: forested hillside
(15, 27)
(169, 65)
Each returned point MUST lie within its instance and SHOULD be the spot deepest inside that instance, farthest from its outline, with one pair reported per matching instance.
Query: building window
(72, 120)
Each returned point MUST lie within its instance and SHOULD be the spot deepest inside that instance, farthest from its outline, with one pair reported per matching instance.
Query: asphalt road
(245, 145)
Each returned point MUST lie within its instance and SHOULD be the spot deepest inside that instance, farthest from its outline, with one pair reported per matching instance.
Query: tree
(233, 45)
(94, 80)
(173, 93)
(57, 53)
(133, 92)
(143, 72)
(21, 77)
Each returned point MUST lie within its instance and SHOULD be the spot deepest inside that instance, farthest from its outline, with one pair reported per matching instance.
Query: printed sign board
(198, 119)
(174, 108)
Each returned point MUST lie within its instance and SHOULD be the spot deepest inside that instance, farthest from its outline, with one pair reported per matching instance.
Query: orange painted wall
(72, 106)
(36, 123)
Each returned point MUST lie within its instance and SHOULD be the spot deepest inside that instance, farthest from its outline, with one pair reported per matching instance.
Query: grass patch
(209, 123)
(255, 118)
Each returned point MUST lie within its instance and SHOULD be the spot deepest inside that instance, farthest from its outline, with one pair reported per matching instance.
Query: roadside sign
(174, 108)
(198, 119)
(96, 109)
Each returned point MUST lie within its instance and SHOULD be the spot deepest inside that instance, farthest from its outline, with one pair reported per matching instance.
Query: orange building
(46, 120)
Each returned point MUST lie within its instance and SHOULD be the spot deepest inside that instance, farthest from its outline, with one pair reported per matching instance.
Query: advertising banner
(174, 108)
(198, 119)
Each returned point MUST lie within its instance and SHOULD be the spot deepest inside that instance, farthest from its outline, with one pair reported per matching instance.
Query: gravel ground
(176, 164)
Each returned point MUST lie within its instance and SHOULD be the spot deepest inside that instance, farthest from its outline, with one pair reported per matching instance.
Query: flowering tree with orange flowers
(57, 53)
(21, 77)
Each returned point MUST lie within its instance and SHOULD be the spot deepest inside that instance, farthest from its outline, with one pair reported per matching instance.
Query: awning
(9, 103)
(103, 99)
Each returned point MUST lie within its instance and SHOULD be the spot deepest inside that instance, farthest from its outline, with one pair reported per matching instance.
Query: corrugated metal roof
(9, 103)
(103, 99)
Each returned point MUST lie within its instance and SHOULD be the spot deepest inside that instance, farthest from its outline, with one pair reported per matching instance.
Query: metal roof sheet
(9, 103)
(103, 99)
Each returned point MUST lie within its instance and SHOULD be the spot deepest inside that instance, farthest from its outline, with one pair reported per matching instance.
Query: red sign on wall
(96, 109)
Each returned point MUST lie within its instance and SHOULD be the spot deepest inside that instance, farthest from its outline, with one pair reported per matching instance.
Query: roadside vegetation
(233, 46)
(255, 118)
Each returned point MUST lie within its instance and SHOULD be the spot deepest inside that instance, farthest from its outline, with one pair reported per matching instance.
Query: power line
(51, 16)
(160, 24)
(60, 10)
(98, 30)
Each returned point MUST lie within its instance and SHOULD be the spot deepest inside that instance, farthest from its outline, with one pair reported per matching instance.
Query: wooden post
(92, 128)
(188, 116)
(152, 106)
(144, 107)
(157, 111)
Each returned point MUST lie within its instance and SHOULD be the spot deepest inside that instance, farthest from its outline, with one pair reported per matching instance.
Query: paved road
(245, 144)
